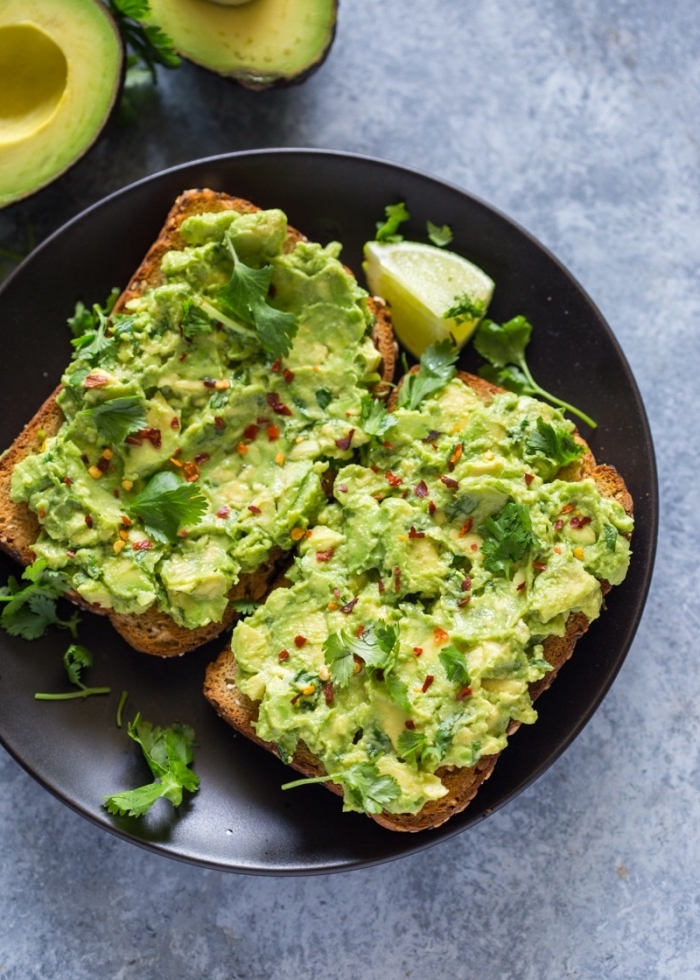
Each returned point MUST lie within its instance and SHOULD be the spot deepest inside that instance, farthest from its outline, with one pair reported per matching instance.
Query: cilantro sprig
(76, 659)
(553, 443)
(29, 609)
(86, 320)
(465, 308)
(503, 346)
(168, 752)
(166, 504)
(439, 235)
(436, 370)
(245, 296)
(508, 536)
(117, 418)
(365, 788)
(455, 666)
(148, 45)
(377, 648)
(387, 231)
(374, 419)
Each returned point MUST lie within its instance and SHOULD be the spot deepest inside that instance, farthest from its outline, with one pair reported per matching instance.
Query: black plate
(241, 820)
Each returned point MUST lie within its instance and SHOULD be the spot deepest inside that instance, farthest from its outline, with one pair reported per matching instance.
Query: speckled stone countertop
(580, 120)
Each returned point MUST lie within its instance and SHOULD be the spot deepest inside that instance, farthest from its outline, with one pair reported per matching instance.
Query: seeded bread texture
(462, 784)
(155, 632)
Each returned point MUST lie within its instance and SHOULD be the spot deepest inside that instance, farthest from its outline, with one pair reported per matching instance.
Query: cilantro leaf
(503, 346)
(324, 397)
(375, 420)
(245, 296)
(90, 345)
(75, 660)
(432, 755)
(465, 308)
(338, 655)
(168, 752)
(194, 320)
(560, 447)
(245, 607)
(117, 418)
(166, 504)
(439, 235)
(461, 506)
(397, 691)
(84, 319)
(396, 214)
(365, 788)
(455, 667)
(610, 537)
(411, 745)
(377, 648)
(31, 608)
(436, 370)
(148, 43)
(378, 743)
(507, 538)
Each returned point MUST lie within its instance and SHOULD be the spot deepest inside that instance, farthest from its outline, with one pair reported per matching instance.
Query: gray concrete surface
(580, 120)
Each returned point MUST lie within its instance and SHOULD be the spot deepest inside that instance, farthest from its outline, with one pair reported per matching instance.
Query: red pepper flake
(431, 436)
(324, 555)
(558, 525)
(328, 693)
(71, 554)
(381, 586)
(440, 635)
(521, 587)
(209, 382)
(85, 458)
(116, 493)
(397, 579)
(529, 477)
(374, 468)
(183, 356)
(466, 584)
(405, 493)
(474, 547)
(360, 630)
(67, 480)
(191, 472)
(449, 482)
(288, 375)
(465, 600)
(580, 521)
(276, 365)
(421, 490)
(418, 651)
(466, 527)
(150, 435)
(183, 532)
(300, 641)
(458, 450)
(96, 381)
(126, 521)
(283, 655)
(273, 433)
(277, 406)
(201, 458)
(223, 512)
(416, 534)
(567, 509)
(345, 443)
(540, 566)
(262, 420)
(143, 545)
(342, 488)
(349, 606)
(253, 509)
(431, 507)
(88, 520)
(175, 422)
(336, 593)
(102, 464)
(219, 423)
(410, 724)
(466, 692)
(250, 431)
(388, 445)
(427, 682)
(393, 480)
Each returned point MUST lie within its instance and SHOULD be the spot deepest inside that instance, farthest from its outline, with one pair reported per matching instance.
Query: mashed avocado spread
(205, 426)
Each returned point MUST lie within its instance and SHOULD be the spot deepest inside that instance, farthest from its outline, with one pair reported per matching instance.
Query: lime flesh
(421, 283)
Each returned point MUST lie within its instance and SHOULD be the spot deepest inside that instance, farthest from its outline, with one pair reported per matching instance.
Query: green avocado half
(260, 43)
(60, 73)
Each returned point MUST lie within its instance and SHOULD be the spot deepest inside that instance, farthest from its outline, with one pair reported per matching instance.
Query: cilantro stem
(120, 707)
(537, 390)
(227, 321)
(6, 253)
(312, 779)
(85, 692)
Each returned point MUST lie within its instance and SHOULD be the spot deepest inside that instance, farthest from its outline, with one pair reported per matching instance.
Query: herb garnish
(85, 320)
(377, 648)
(387, 230)
(439, 235)
(362, 783)
(245, 295)
(167, 503)
(375, 420)
(455, 667)
(560, 447)
(148, 44)
(30, 609)
(117, 418)
(411, 745)
(507, 537)
(194, 320)
(168, 752)
(245, 607)
(76, 659)
(465, 308)
(123, 697)
(504, 347)
(436, 369)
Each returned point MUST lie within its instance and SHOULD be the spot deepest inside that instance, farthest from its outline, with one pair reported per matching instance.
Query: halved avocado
(258, 44)
(60, 72)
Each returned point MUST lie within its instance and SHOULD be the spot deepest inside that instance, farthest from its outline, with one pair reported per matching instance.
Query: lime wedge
(422, 283)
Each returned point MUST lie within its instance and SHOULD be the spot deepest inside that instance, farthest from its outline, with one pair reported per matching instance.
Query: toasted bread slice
(153, 631)
(462, 784)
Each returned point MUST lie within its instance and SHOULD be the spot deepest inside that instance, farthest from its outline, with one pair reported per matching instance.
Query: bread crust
(462, 784)
(153, 631)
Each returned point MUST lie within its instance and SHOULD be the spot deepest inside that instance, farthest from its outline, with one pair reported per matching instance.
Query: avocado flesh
(60, 70)
(259, 44)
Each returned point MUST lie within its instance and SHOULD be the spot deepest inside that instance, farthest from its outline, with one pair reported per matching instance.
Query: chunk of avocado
(260, 44)
(60, 72)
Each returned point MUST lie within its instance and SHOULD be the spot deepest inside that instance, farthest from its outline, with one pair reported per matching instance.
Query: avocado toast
(436, 598)
(178, 388)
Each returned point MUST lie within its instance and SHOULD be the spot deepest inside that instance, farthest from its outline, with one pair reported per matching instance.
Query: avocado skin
(254, 86)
